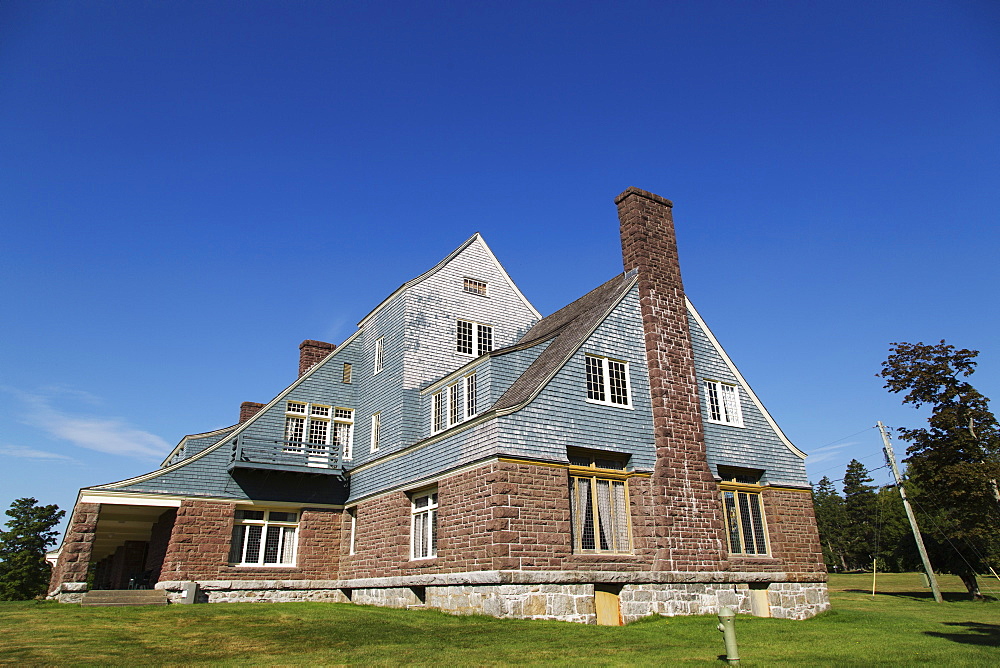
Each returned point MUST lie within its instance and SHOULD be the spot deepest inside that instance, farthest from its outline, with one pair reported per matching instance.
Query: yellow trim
(747, 487)
(579, 470)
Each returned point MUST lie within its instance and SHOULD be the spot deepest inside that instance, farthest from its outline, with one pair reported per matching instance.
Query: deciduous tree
(955, 459)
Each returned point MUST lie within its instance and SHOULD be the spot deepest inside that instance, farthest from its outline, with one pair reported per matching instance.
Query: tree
(24, 573)
(860, 508)
(955, 460)
(831, 521)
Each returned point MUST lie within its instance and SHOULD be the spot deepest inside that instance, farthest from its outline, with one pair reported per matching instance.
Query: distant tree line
(952, 474)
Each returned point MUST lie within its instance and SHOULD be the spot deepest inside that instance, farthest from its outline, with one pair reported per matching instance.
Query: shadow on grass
(948, 596)
(977, 634)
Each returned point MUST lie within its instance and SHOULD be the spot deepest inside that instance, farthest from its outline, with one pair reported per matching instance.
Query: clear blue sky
(189, 189)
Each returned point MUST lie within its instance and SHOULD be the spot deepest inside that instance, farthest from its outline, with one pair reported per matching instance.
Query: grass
(901, 626)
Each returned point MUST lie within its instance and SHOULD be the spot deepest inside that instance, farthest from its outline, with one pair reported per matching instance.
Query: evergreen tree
(955, 460)
(24, 573)
(860, 508)
(831, 521)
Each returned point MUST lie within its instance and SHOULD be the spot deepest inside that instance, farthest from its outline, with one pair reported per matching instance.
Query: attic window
(474, 287)
(740, 475)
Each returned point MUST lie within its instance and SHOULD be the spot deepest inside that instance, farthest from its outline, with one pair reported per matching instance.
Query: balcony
(294, 456)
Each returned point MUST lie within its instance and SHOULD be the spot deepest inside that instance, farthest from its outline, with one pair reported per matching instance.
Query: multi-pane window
(745, 529)
(308, 429)
(378, 355)
(471, 396)
(348, 372)
(599, 506)
(376, 431)
(723, 401)
(474, 287)
(343, 431)
(263, 538)
(423, 529)
(454, 403)
(607, 381)
(473, 338)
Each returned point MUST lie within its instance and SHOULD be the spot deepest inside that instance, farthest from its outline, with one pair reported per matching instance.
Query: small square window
(473, 338)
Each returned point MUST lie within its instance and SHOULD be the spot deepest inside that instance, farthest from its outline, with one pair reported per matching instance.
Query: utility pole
(890, 458)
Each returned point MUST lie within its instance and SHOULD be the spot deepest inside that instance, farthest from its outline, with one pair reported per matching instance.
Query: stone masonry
(689, 527)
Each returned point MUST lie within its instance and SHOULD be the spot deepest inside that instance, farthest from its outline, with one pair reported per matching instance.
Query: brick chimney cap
(643, 193)
(316, 344)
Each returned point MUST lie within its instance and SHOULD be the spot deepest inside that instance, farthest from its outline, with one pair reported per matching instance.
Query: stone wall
(570, 602)
(689, 524)
(74, 556)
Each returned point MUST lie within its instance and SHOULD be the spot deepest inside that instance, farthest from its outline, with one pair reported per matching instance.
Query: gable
(759, 443)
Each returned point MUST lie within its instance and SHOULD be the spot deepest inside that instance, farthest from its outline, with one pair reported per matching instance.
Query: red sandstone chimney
(689, 525)
(312, 353)
(248, 409)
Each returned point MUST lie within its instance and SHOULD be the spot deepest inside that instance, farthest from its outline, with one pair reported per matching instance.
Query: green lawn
(901, 626)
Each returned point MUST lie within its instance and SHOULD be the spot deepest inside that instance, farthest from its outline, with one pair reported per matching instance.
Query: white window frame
(477, 349)
(604, 380)
(286, 531)
(353, 514)
(310, 417)
(423, 524)
(376, 433)
(723, 403)
(379, 355)
(471, 397)
(451, 404)
(343, 421)
(471, 286)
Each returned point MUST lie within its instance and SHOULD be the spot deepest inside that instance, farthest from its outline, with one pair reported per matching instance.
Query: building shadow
(976, 633)
(950, 596)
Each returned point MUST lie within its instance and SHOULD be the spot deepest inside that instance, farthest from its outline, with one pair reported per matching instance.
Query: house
(461, 452)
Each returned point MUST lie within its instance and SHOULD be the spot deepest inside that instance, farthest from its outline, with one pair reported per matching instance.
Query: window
(474, 287)
(378, 355)
(343, 431)
(376, 431)
(353, 514)
(473, 338)
(449, 407)
(470, 396)
(723, 401)
(263, 538)
(745, 529)
(599, 506)
(307, 428)
(607, 381)
(347, 372)
(423, 532)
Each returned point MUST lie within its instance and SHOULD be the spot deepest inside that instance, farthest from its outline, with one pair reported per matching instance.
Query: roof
(567, 328)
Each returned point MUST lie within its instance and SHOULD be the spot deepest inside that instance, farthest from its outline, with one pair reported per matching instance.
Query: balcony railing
(297, 456)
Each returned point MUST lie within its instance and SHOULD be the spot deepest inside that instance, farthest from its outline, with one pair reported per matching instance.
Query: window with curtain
(264, 538)
(599, 506)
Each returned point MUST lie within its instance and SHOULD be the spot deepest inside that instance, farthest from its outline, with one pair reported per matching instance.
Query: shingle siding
(755, 444)
(561, 416)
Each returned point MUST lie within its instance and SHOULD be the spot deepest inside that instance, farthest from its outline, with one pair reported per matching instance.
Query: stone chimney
(312, 353)
(248, 409)
(689, 521)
